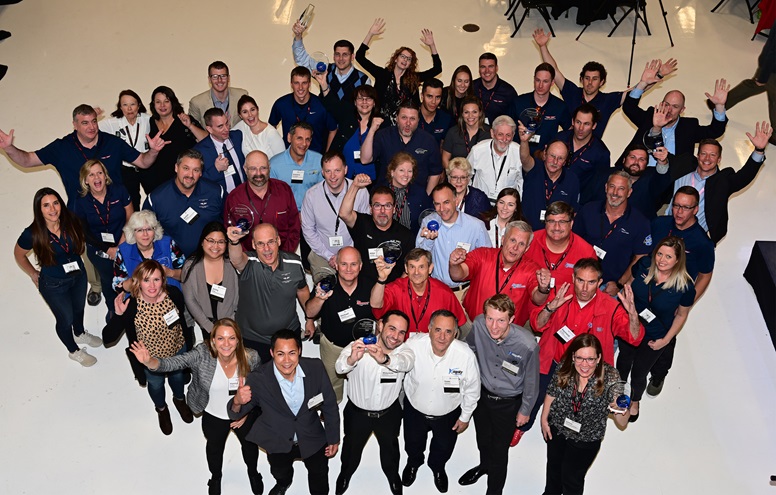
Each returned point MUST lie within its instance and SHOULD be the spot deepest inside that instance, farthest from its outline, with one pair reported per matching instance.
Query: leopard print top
(161, 340)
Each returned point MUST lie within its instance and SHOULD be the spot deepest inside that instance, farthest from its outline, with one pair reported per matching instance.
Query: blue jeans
(155, 383)
(66, 297)
(104, 269)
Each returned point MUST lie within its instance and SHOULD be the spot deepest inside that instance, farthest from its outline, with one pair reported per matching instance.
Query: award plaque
(391, 251)
(531, 118)
(365, 328)
(241, 216)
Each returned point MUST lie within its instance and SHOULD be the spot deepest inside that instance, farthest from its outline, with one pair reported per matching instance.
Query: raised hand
(222, 163)
(361, 181)
(235, 233)
(141, 352)
(667, 67)
(6, 140)
(120, 304)
(383, 269)
(298, 28)
(561, 297)
(427, 37)
(376, 123)
(523, 133)
(661, 154)
(719, 98)
(626, 297)
(156, 143)
(378, 27)
(185, 119)
(660, 118)
(543, 277)
(541, 38)
(357, 350)
(243, 395)
(319, 293)
(762, 133)
(649, 75)
(458, 256)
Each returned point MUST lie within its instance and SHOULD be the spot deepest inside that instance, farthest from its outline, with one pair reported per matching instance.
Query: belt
(461, 287)
(372, 414)
(490, 395)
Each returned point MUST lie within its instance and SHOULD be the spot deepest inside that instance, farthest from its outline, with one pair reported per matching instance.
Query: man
(220, 95)
(678, 134)
(619, 234)
(323, 229)
(495, 93)
(716, 185)
(379, 146)
(509, 389)
(298, 165)
(442, 391)
(374, 384)
(556, 246)
(502, 271)
(496, 162)
(551, 181)
(699, 251)
(222, 151)
(370, 232)
(433, 119)
(185, 204)
(417, 294)
(269, 200)
(455, 229)
(270, 283)
(341, 76)
(552, 110)
(301, 106)
(291, 390)
(339, 309)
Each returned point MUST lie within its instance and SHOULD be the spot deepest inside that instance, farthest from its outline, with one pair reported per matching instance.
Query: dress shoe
(408, 475)
(214, 486)
(440, 480)
(93, 298)
(396, 486)
(343, 482)
(516, 437)
(279, 490)
(471, 476)
(3, 70)
(633, 418)
(4, 34)
(257, 484)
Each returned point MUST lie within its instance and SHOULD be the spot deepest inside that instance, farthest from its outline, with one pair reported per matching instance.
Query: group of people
(446, 230)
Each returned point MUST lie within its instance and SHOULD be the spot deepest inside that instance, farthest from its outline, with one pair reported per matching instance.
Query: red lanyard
(511, 272)
(576, 403)
(81, 149)
(549, 192)
(553, 266)
(412, 304)
(295, 104)
(577, 154)
(484, 104)
(107, 209)
(66, 246)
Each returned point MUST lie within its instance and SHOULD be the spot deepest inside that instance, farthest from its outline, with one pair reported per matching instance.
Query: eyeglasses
(457, 178)
(219, 77)
(378, 206)
(562, 223)
(144, 230)
(590, 360)
(212, 242)
(364, 98)
(555, 158)
(270, 244)
(682, 207)
(405, 57)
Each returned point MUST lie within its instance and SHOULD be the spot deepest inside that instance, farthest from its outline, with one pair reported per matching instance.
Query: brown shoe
(183, 409)
(165, 423)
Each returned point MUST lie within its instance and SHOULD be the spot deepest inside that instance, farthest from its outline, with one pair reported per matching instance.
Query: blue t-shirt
(288, 111)
(539, 192)
(282, 167)
(422, 146)
(554, 115)
(663, 303)
(356, 167)
(606, 103)
(108, 217)
(439, 126)
(64, 252)
(697, 245)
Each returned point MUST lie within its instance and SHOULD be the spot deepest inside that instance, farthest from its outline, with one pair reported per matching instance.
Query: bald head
(348, 265)
(257, 169)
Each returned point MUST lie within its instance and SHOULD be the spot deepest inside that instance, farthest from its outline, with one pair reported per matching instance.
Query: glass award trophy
(321, 61)
(241, 216)
(652, 143)
(328, 282)
(307, 15)
(432, 225)
(391, 251)
(619, 395)
(531, 118)
(365, 328)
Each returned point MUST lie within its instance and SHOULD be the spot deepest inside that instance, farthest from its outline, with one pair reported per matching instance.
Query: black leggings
(216, 432)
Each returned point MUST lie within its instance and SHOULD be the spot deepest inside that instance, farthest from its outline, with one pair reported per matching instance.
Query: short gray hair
(140, 219)
(504, 120)
(621, 173)
(521, 226)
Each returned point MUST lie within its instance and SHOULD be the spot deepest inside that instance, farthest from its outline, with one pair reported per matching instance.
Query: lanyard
(701, 190)
(129, 135)
(266, 202)
(81, 149)
(577, 154)
(403, 203)
(576, 403)
(107, 209)
(412, 305)
(296, 105)
(497, 239)
(66, 246)
(553, 266)
(649, 291)
(614, 226)
(549, 192)
(512, 271)
(337, 223)
(492, 92)
(493, 162)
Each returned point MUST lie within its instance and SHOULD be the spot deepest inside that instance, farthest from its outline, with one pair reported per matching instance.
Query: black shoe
(343, 482)
(634, 417)
(279, 490)
(214, 486)
(93, 298)
(183, 409)
(3, 70)
(408, 475)
(654, 387)
(165, 423)
(4, 35)
(471, 476)
(257, 484)
(440, 480)
(396, 486)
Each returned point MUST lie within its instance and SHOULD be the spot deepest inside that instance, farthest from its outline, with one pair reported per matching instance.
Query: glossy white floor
(66, 429)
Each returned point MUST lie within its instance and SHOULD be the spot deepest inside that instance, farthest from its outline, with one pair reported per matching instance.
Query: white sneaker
(88, 339)
(83, 357)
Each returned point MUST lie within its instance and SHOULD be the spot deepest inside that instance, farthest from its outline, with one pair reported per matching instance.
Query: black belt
(490, 395)
(461, 287)
(373, 414)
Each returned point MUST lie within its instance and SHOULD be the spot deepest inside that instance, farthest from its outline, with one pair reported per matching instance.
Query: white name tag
(189, 215)
(375, 253)
(297, 176)
(565, 334)
(541, 215)
(552, 282)
(487, 121)
(357, 155)
(315, 401)
(171, 317)
(336, 241)
(347, 315)
(452, 385)
(107, 237)
(218, 291)
(572, 425)
(388, 376)
(229, 171)
(535, 138)
(510, 368)
(599, 252)
(647, 315)
(234, 384)
(71, 267)
(464, 245)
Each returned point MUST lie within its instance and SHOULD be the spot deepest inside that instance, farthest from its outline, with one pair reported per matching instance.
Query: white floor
(66, 429)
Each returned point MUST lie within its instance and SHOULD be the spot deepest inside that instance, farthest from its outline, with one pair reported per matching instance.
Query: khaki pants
(319, 267)
(92, 276)
(467, 327)
(329, 355)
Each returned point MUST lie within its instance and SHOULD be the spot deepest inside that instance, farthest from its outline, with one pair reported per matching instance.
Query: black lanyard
(576, 403)
(81, 149)
(266, 203)
(511, 272)
(129, 135)
(493, 162)
(107, 209)
(412, 304)
(553, 266)
(497, 237)
(399, 210)
(331, 205)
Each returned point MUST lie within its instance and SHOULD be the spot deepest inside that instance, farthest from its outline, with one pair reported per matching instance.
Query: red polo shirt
(563, 263)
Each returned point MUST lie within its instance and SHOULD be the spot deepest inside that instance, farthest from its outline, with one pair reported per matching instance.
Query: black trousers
(216, 432)
(567, 464)
(416, 428)
(131, 178)
(358, 427)
(494, 422)
(282, 468)
(637, 361)
(664, 362)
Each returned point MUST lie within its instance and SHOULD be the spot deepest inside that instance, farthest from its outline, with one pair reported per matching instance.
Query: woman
(471, 129)
(56, 238)
(410, 200)
(663, 293)
(218, 366)
(460, 87)
(507, 210)
(177, 128)
(574, 414)
(398, 81)
(104, 208)
(468, 199)
(130, 122)
(257, 134)
(153, 315)
(209, 280)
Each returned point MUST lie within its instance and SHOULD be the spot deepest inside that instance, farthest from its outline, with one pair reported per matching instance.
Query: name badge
(375, 253)
(189, 215)
(452, 385)
(487, 121)
(230, 170)
(218, 292)
(171, 317)
(535, 138)
(541, 215)
(297, 176)
(336, 241)
(388, 376)
(357, 155)
(565, 334)
(234, 384)
(464, 245)
(71, 267)
(510, 368)
(552, 282)
(647, 315)
(107, 237)
(599, 252)
(346, 315)
(315, 401)
(572, 425)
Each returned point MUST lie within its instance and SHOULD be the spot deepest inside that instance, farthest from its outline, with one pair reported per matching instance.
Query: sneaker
(93, 298)
(88, 339)
(83, 357)
(654, 387)
(516, 437)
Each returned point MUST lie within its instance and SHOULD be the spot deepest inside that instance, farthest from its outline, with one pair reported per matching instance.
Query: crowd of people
(475, 254)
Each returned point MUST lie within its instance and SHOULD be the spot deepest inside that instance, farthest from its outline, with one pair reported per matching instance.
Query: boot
(183, 409)
(165, 423)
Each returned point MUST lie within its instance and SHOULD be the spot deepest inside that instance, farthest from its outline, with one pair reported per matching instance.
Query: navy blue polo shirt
(289, 112)
(64, 252)
(539, 191)
(555, 114)
(606, 103)
(169, 203)
(439, 126)
(496, 101)
(107, 217)
(662, 302)
(697, 245)
(68, 155)
(628, 236)
(648, 191)
(422, 146)
(587, 162)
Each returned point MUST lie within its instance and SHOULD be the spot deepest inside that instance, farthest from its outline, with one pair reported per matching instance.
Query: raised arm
(377, 28)
(156, 143)
(541, 38)
(24, 159)
(367, 147)
(347, 210)
(458, 268)
(237, 257)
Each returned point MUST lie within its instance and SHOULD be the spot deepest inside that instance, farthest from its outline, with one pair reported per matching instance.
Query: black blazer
(274, 430)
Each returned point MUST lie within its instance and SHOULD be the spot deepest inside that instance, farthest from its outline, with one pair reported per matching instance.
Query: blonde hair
(83, 174)
(679, 279)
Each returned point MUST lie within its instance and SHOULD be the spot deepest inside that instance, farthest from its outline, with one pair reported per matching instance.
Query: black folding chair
(538, 5)
(751, 7)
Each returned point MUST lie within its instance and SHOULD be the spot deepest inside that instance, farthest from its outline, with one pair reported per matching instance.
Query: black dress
(163, 169)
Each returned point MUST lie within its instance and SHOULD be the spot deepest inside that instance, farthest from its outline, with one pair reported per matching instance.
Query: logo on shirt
(563, 193)
(569, 265)
(203, 203)
(285, 277)
(599, 329)
(362, 303)
(550, 117)
(420, 151)
(648, 240)
(518, 286)
(622, 229)
(455, 371)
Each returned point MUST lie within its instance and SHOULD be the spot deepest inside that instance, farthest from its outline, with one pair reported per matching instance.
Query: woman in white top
(507, 210)
(129, 122)
(257, 134)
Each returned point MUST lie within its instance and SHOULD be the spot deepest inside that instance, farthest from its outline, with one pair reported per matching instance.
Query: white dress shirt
(486, 164)
(372, 386)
